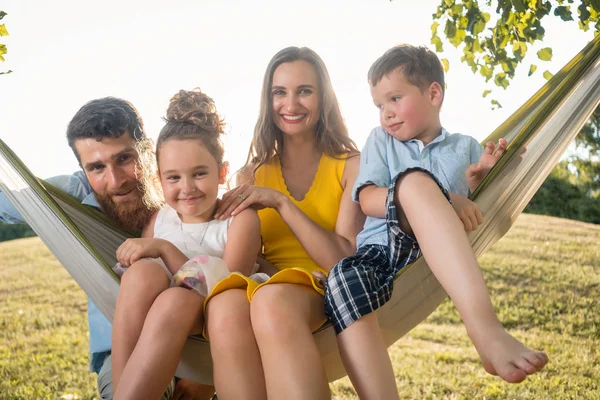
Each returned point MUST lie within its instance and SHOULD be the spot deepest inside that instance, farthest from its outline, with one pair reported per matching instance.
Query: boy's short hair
(420, 66)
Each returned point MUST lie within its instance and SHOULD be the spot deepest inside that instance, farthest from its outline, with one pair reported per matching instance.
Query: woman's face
(295, 95)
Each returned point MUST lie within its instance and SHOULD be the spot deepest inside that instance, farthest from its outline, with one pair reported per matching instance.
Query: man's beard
(129, 215)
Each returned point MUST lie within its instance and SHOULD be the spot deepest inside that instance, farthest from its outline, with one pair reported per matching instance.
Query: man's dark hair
(419, 65)
(108, 117)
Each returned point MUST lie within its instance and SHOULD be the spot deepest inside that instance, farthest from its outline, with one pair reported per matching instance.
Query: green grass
(544, 277)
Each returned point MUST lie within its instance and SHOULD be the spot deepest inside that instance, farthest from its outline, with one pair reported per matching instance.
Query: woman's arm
(243, 242)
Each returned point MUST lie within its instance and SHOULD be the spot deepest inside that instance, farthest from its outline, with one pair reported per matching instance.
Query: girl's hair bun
(195, 107)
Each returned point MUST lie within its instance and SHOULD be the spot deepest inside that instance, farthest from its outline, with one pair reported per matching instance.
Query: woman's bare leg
(141, 284)
(172, 318)
(233, 347)
(283, 319)
(448, 252)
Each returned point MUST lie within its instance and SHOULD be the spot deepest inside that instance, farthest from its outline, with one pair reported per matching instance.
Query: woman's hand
(133, 250)
(244, 196)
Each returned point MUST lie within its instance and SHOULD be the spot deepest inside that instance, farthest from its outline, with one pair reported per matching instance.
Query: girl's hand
(244, 196)
(133, 250)
(468, 212)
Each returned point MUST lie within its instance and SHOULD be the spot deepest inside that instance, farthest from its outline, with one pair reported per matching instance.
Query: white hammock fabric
(538, 133)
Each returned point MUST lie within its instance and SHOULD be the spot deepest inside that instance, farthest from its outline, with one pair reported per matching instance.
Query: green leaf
(434, 27)
(545, 54)
(2, 51)
(519, 5)
(460, 36)
(2, 14)
(495, 103)
(486, 16)
(486, 92)
(500, 80)
(7, 72)
(3, 31)
(446, 64)
(450, 29)
(486, 72)
(547, 75)
(564, 12)
(478, 27)
(532, 69)
(435, 40)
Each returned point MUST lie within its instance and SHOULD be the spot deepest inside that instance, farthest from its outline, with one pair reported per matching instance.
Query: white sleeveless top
(207, 238)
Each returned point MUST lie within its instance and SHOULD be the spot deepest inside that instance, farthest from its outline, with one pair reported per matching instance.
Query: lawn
(544, 277)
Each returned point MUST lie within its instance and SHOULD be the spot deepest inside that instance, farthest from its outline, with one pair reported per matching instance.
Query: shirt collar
(440, 138)
(90, 200)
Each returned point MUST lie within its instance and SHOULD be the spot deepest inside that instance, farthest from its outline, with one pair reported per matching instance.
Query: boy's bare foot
(503, 355)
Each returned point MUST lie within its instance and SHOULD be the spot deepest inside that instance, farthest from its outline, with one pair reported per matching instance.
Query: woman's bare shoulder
(245, 175)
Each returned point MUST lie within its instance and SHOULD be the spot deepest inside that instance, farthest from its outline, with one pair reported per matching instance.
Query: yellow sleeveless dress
(281, 248)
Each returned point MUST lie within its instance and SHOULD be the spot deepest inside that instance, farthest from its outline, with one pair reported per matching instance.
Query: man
(107, 136)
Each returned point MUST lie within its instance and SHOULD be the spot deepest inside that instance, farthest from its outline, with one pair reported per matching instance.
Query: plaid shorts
(360, 284)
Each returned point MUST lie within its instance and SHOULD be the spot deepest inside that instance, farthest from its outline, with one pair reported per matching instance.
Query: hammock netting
(538, 133)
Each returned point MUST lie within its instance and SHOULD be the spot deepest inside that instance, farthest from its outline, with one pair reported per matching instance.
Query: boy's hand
(468, 212)
(133, 250)
(491, 154)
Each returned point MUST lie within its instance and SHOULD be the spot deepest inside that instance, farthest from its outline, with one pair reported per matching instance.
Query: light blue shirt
(77, 186)
(447, 157)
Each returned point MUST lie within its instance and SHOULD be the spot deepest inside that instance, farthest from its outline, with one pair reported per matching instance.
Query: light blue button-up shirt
(77, 186)
(447, 157)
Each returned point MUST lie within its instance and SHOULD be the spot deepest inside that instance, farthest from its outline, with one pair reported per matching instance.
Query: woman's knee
(276, 312)
(228, 316)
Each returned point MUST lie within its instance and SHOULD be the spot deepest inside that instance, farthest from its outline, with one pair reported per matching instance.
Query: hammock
(84, 241)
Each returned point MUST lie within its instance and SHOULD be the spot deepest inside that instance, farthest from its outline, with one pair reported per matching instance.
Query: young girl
(152, 321)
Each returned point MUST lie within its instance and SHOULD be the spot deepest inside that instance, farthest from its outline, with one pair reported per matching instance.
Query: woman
(300, 172)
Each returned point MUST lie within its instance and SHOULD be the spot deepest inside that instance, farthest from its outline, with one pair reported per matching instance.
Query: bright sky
(67, 52)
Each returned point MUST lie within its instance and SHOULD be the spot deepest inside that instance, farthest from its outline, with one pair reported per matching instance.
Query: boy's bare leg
(448, 252)
(173, 317)
(141, 284)
(366, 359)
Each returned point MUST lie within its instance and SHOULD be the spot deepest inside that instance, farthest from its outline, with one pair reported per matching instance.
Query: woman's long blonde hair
(332, 134)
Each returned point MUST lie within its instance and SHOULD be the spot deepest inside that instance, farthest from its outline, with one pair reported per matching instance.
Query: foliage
(15, 231)
(3, 32)
(495, 42)
(568, 194)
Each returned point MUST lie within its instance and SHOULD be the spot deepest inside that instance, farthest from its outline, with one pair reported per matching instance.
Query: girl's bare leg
(448, 252)
(283, 319)
(141, 284)
(233, 347)
(173, 317)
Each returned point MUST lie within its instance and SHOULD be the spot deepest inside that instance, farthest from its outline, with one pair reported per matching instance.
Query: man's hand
(468, 212)
(190, 390)
(491, 154)
(133, 250)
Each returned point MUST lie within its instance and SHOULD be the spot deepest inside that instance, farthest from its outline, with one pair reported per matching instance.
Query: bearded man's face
(113, 171)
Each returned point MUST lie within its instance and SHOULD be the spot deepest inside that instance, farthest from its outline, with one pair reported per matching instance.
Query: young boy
(412, 174)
